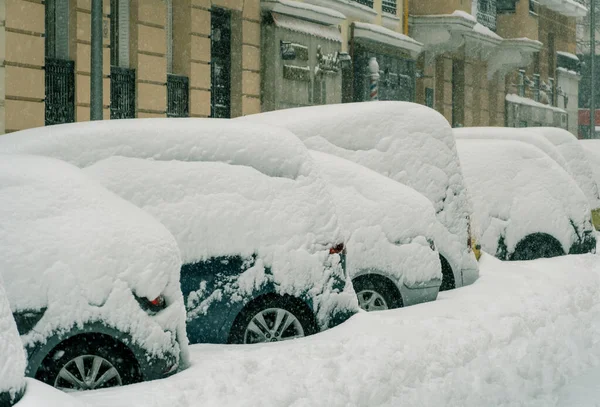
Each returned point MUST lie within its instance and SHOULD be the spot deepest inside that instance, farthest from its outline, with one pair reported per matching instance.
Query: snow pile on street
(39, 394)
(518, 190)
(12, 355)
(513, 338)
(592, 149)
(386, 225)
(407, 142)
(217, 209)
(575, 156)
(70, 245)
(272, 151)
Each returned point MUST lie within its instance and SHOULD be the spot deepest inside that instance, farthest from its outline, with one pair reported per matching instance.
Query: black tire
(292, 305)
(448, 282)
(380, 285)
(537, 246)
(90, 346)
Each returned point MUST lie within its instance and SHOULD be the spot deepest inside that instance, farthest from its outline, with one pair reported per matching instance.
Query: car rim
(370, 300)
(273, 325)
(87, 372)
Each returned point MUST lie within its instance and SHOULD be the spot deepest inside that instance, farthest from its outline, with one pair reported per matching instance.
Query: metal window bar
(486, 13)
(122, 93)
(368, 3)
(178, 91)
(388, 6)
(60, 91)
(220, 64)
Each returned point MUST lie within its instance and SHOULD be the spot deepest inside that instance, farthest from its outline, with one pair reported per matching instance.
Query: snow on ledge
(566, 71)
(569, 8)
(349, 8)
(384, 35)
(512, 98)
(463, 14)
(568, 55)
(322, 15)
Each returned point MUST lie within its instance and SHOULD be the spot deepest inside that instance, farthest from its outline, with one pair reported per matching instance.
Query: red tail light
(338, 249)
(158, 301)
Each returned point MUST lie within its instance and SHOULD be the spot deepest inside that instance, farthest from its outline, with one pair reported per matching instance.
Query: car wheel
(88, 364)
(272, 319)
(537, 246)
(376, 293)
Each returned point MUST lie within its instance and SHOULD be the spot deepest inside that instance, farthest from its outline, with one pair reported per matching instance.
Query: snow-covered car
(388, 229)
(407, 142)
(255, 223)
(592, 152)
(560, 145)
(12, 355)
(92, 280)
(15, 389)
(525, 205)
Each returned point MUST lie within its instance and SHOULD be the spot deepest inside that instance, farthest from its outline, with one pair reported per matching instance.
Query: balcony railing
(389, 6)
(486, 13)
(368, 3)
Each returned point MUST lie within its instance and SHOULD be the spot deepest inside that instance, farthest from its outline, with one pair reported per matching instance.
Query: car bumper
(420, 292)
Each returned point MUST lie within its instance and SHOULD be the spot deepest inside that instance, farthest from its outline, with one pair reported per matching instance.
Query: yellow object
(596, 218)
(476, 248)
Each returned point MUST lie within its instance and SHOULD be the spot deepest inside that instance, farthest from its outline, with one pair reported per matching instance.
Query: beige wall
(2, 66)
(521, 24)
(23, 64)
(427, 7)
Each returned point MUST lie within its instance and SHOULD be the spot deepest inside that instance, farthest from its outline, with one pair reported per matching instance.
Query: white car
(525, 205)
(261, 246)
(558, 144)
(407, 142)
(92, 280)
(389, 230)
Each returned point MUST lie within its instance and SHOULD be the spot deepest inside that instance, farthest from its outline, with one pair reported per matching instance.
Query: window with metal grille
(59, 70)
(220, 63)
(60, 91)
(177, 96)
(368, 3)
(506, 6)
(122, 93)
(486, 13)
(388, 6)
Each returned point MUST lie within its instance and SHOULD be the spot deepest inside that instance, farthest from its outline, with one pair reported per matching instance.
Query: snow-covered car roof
(273, 151)
(407, 142)
(510, 133)
(387, 225)
(557, 143)
(219, 209)
(517, 190)
(12, 354)
(69, 245)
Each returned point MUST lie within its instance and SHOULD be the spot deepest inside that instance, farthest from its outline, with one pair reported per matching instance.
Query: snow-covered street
(520, 336)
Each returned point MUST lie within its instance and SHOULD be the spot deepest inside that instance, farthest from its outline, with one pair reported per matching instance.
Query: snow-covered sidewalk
(514, 338)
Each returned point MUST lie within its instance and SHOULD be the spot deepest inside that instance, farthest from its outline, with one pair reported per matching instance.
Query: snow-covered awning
(481, 42)
(328, 32)
(568, 55)
(442, 33)
(569, 8)
(512, 53)
(378, 34)
(303, 11)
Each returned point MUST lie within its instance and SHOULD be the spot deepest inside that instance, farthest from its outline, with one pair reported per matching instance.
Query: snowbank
(518, 190)
(69, 245)
(12, 355)
(592, 149)
(387, 225)
(272, 151)
(513, 338)
(407, 142)
(39, 394)
(575, 156)
(217, 209)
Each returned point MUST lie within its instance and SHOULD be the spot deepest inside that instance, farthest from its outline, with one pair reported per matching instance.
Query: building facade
(331, 51)
(161, 58)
